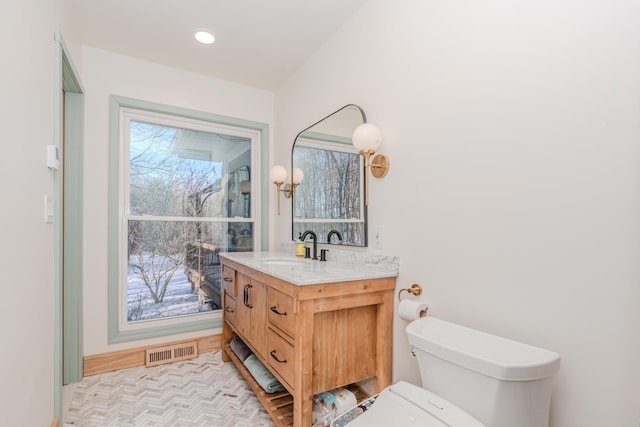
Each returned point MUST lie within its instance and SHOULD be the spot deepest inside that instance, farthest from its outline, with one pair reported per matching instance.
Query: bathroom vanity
(315, 325)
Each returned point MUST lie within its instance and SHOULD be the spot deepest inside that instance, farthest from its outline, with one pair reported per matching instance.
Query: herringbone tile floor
(197, 392)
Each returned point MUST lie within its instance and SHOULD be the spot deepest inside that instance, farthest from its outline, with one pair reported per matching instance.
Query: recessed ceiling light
(205, 37)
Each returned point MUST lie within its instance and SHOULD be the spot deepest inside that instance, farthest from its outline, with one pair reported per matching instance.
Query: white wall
(26, 114)
(513, 130)
(106, 74)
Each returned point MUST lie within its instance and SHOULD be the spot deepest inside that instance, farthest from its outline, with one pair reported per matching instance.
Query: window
(186, 187)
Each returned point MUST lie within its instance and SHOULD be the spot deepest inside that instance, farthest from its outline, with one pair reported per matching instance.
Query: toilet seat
(406, 405)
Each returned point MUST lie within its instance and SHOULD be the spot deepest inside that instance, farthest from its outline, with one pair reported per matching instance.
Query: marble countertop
(301, 271)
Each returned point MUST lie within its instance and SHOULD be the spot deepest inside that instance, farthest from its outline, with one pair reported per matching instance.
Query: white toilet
(470, 379)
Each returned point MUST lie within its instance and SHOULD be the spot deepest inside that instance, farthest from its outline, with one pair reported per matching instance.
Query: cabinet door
(252, 313)
(243, 306)
(258, 300)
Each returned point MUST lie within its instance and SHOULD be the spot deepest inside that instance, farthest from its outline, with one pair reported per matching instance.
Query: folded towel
(240, 348)
(262, 375)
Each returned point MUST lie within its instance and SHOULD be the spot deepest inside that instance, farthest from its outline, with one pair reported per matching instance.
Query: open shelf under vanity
(279, 405)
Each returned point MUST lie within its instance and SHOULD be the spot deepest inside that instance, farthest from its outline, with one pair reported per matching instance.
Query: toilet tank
(500, 382)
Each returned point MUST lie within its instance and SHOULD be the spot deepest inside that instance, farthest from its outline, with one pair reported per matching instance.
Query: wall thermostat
(53, 157)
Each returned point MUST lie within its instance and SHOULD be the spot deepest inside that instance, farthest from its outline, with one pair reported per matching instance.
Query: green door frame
(68, 259)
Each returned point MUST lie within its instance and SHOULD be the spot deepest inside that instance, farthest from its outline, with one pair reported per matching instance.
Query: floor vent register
(172, 353)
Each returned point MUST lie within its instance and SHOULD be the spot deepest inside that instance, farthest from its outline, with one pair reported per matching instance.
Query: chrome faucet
(315, 242)
(331, 233)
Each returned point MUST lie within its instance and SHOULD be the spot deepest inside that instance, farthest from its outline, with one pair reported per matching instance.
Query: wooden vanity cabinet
(313, 338)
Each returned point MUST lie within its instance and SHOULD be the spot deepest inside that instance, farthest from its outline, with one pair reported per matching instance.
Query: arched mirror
(331, 195)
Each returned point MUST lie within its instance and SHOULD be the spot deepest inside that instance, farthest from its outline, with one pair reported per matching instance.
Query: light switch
(378, 235)
(48, 208)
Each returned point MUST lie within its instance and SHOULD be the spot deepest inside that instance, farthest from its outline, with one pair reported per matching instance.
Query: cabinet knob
(275, 310)
(227, 279)
(273, 354)
(227, 309)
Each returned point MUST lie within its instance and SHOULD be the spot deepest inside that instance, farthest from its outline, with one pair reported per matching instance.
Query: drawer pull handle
(273, 354)
(228, 310)
(227, 279)
(275, 310)
(246, 296)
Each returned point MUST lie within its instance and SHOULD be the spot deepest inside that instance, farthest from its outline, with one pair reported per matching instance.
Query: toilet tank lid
(487, 354)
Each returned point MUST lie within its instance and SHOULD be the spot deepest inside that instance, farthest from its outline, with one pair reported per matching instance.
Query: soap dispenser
(299, 246)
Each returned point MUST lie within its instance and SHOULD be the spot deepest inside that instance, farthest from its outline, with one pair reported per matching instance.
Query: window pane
(158, 284)
(181, 172)
(174, 266)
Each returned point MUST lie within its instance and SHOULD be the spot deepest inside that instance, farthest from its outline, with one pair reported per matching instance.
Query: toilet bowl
(469, 379)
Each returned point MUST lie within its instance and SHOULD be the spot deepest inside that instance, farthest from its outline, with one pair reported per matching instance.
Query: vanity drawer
(281, 311)
(281, 356)
(229, 307)
(229, 281)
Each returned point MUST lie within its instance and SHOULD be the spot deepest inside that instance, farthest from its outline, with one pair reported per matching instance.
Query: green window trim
(116, 103)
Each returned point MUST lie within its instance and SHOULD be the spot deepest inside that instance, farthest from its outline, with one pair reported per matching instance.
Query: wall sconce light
(367, 139)
(278, 175)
